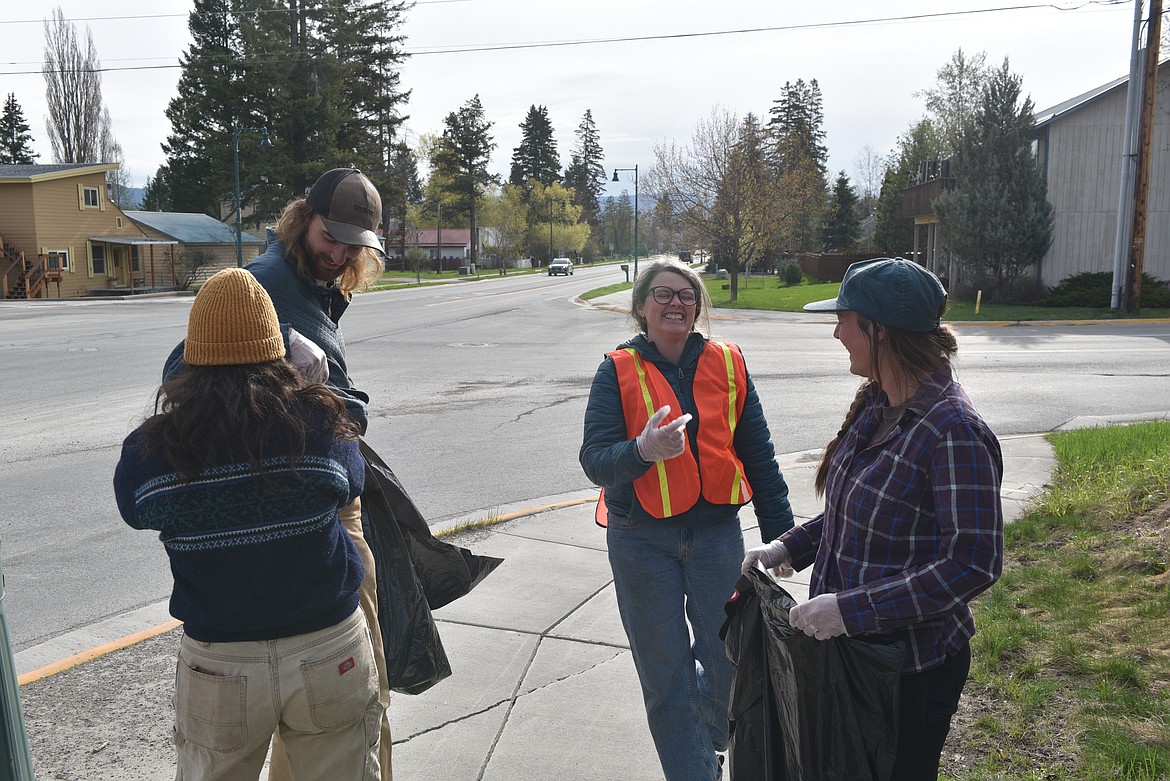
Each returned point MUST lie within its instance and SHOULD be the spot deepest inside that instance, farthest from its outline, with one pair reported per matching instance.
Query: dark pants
(928, 700)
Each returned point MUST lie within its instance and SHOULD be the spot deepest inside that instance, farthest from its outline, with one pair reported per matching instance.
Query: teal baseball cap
(892, 291)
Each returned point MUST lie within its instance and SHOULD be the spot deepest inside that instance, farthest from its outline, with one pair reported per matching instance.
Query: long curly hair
(913, 356)
(291, 230)
(209, 414)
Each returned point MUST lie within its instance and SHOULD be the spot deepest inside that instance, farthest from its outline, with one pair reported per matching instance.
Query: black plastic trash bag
(829, 711)
(416, 573)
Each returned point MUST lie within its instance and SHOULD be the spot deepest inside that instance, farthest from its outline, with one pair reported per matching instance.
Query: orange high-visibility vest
(673, 486)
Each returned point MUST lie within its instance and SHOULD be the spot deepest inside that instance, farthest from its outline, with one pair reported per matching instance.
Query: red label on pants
(345, 666)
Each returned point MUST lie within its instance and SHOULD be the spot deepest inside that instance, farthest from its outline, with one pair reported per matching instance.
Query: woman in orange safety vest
(676, 437)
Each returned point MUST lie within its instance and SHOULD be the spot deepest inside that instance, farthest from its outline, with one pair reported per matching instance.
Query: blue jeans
(672, 583)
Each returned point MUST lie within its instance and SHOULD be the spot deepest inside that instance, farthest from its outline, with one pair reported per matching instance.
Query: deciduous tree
(716, 186)
(951, 104)
(73, 91)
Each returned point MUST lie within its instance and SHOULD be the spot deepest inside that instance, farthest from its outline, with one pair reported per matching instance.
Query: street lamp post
(615, 178)
(551, 203)
(264, 144)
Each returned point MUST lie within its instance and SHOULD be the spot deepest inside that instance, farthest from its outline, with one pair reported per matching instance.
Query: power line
(187, 14)
(427, 51)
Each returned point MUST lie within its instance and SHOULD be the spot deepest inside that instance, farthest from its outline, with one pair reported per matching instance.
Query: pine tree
(156, 195)
(796, 127)
(536, 157)
(462, 156)
(894, 233)
(207, 105)
(997, 220)
(586, 174)
(799, 158)
(15, 138)
(321, 76)
(842, 225)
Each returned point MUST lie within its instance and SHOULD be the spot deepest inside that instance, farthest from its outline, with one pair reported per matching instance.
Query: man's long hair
(291, 230)
(211, 415)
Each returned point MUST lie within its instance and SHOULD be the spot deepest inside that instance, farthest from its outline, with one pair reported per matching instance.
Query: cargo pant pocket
(341, 685)
(210, 710)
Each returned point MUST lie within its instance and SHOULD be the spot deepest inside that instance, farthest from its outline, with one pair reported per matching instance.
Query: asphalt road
(478, 395)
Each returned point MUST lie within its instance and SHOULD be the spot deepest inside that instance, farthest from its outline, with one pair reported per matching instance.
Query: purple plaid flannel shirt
(913, 526)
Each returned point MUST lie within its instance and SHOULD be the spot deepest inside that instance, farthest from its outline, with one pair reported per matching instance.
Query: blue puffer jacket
(313, 311)
(610, 458)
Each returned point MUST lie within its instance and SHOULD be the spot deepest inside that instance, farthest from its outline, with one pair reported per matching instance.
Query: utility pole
(1141, 184)
(1128, 155)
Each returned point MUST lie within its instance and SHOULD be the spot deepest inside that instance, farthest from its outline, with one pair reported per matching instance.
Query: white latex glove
(308, 357)
(820, 617)
(657, 442)
(772, 556)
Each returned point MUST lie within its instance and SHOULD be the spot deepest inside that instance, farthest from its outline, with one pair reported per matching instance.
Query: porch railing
(24, 277)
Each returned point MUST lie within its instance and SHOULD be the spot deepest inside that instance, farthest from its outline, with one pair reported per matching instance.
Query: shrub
(790, 273)
(1095, 288)
(1021, 291)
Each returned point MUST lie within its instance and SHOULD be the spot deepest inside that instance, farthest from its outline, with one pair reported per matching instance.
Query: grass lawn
(1070, 675)
(766, 293)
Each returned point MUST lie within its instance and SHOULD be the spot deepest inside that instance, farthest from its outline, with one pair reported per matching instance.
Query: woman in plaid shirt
(912, 527)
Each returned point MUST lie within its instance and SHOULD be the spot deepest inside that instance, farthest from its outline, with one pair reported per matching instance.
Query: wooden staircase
(21, 277)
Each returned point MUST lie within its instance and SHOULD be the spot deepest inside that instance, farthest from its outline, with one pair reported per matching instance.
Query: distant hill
(134, 197)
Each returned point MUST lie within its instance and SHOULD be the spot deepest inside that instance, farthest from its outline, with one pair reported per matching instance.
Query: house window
(118, 222)
(90, 195)
(59, 259)
(135, 261)
(98, 252)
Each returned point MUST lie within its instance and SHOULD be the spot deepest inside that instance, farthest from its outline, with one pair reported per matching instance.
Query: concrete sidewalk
(543, 684)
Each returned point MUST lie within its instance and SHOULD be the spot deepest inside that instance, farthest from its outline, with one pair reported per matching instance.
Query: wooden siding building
(202, 246)
(62, 236)
(1079, 146)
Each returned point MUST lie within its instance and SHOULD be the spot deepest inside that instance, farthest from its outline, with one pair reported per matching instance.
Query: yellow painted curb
(94, 653)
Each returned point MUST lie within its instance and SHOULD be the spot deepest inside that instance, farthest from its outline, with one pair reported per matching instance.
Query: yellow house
(62, 236)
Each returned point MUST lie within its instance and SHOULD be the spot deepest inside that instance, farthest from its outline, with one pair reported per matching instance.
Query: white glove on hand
(307, 357)
(660, 443)
(772, 556)
(820, 617)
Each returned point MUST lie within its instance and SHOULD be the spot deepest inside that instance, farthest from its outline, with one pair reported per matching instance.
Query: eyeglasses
(664, 295)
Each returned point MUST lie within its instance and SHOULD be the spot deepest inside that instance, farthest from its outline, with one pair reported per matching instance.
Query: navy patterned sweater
(254, 556)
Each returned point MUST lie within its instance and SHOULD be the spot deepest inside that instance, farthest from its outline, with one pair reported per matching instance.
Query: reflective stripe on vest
(673, 486)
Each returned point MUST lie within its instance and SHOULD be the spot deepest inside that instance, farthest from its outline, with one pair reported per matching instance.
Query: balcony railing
(918, 199)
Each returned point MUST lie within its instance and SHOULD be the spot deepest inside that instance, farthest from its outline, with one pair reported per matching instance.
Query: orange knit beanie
(232, 322)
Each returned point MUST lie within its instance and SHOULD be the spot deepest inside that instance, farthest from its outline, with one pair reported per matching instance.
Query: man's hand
(307, 357)
(820, 617)
(658, 443)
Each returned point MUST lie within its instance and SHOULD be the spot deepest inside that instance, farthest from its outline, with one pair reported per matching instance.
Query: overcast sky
(648, 69)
